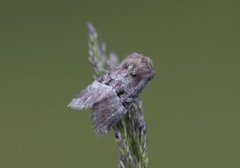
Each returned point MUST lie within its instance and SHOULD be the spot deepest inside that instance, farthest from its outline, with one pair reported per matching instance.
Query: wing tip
(75, 105)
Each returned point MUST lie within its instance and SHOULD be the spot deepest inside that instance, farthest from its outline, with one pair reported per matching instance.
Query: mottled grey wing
(106, 113)
(94, 93)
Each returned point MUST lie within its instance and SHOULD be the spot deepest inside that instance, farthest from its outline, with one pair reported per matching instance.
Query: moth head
(139, 66)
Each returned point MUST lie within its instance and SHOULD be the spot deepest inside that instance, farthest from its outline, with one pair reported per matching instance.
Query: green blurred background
(191, 107)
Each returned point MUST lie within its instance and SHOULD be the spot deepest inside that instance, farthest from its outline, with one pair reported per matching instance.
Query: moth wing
(94, 93)
(106, 113)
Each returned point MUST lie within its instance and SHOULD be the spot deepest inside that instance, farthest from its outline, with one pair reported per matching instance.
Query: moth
(110, 96)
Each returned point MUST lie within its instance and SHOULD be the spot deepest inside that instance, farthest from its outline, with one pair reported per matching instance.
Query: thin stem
(130, 132)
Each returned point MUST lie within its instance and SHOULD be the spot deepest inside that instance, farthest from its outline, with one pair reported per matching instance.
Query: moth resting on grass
(110, 96)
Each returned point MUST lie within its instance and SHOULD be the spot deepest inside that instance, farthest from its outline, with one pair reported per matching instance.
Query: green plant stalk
(130, 132)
